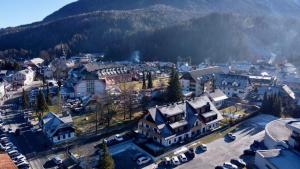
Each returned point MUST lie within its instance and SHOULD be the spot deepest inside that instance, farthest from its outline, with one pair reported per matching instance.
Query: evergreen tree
(149, 78)
(174, 88)
(41, 102)
(48, 99)
(106, 161)
(59, 104)
(144, 81)
(25, 99)
(59, 83)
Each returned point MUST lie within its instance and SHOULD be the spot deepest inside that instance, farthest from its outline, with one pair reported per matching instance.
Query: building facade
(170, 124)
(24, 77)
(234, 85)
(200, 81)
(58, 129)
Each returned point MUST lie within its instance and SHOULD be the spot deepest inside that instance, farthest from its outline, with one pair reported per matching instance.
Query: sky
(18, 12)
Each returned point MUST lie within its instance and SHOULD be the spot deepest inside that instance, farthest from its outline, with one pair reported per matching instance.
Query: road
(220, 150)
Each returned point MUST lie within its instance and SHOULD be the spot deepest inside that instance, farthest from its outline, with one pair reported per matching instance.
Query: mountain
(213, 30)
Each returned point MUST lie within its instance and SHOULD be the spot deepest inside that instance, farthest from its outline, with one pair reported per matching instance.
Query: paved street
(220, 151)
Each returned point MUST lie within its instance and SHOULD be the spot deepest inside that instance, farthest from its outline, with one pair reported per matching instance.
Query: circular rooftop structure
(277, 133)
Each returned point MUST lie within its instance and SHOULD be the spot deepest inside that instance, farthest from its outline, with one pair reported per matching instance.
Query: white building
(171, 124)
(282, 138)
(24, 77)
(84, 83)
(58, 129)
(233, 85)
(199, 81)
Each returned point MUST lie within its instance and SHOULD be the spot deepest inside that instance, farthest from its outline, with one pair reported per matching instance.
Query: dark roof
(187, 107)
(194, 74)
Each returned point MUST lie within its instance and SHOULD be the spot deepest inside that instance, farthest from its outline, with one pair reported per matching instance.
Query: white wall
(60, 139)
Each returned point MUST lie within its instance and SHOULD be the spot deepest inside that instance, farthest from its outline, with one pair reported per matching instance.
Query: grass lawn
(86, 122)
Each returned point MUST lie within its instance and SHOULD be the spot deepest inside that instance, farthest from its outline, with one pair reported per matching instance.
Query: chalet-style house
(58, 129)
(82, 83)
(24, 77)
(200, 81)
(233, 85)
(178, 122)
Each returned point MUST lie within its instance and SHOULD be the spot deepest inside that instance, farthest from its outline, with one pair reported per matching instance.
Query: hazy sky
(17, 12)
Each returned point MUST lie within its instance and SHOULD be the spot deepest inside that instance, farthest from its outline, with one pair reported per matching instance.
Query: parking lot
(126, 154)
(221, 150)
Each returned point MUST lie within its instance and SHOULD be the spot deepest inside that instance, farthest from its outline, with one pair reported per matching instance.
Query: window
(90, 87)
(169, 142)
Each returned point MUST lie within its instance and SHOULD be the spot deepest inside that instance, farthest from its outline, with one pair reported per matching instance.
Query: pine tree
(144, 81)
(25, 99)
(41, 102)
(59, 104)
(48, 99)
(174, 88)
(150, 83)
(106, 161)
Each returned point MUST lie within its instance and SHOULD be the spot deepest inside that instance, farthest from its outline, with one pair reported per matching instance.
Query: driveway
(220, 150)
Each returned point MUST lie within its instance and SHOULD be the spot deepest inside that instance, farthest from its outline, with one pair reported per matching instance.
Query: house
(233, 85)
(282, 140)
(24, 77)
(58, 129)
(170, 124)
(85, 83)
(218, 97)
(200, 81)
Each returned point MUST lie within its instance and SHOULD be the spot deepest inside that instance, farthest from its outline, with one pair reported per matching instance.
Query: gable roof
(52, 123)
(188, 108)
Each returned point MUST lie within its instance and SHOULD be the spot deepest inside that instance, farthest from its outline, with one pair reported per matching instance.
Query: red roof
(6, 162)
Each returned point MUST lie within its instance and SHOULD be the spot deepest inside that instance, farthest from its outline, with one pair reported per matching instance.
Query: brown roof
(6, 162)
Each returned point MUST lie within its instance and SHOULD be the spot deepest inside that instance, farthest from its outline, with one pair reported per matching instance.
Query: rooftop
(277, 129)
(6, 162)
(281, 159)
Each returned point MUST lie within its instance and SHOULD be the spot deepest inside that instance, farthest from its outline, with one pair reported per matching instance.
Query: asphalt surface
(221, 150)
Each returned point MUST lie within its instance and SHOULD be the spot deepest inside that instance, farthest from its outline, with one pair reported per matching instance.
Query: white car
(57, 160)
(143, 160)
(183, 158)
(175, 160)
(230, 166)
(118, 137)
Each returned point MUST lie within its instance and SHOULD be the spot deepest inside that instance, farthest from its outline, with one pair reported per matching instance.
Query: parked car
(175, 160)
(143, 160)
(118, 137)
(230, 166)
(239, 162)
(182, 158)
(9, 130)
(190, 153)
(57, 160)
(249, 152)
(202, 147)
(167, 161)
(231, 136)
